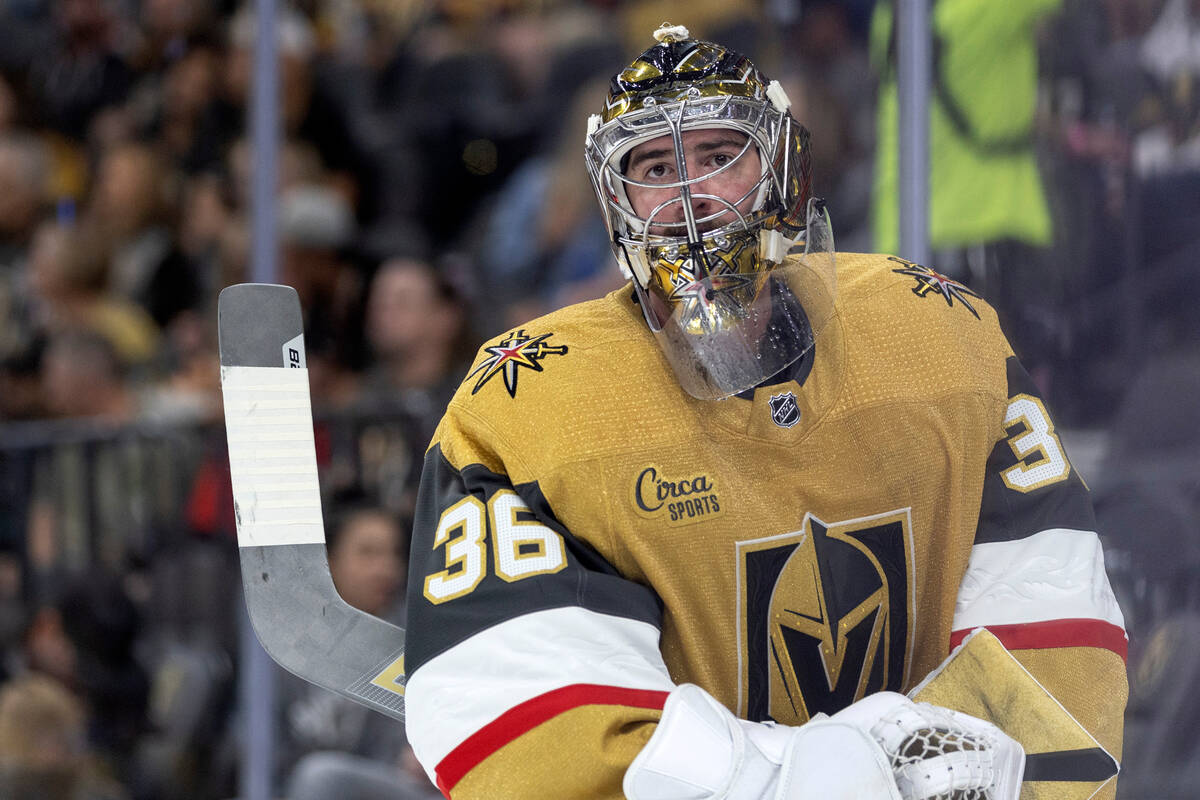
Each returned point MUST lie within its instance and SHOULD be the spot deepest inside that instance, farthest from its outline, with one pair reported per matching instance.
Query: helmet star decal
(705, 301)
(930, 282)
(687, 285)
(709, 303)
(514, 351)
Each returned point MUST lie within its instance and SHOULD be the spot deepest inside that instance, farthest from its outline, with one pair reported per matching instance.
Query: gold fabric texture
(580, 753)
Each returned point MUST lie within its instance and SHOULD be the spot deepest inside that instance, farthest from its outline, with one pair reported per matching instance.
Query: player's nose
(703, 204)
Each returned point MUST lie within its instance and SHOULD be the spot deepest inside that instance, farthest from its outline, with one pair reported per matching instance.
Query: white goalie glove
(885, 746)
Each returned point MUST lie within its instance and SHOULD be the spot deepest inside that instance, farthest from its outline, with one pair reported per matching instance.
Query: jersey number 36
(522, 546)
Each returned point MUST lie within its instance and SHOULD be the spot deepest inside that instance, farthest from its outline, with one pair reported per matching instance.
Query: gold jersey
(588, 535)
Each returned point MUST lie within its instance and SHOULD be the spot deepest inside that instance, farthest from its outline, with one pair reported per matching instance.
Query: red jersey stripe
(528, 715)
(1056, 633)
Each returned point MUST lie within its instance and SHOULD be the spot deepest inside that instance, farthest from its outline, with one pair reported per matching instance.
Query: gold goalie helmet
(703, 178)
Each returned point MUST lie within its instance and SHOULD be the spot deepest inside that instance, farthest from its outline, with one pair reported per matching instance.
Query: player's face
(705, 151)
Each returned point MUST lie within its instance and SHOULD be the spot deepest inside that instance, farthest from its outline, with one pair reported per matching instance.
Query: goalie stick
(293, 605)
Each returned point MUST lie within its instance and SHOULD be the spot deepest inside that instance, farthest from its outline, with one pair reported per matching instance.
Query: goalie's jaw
(727, 332)
(706, 287)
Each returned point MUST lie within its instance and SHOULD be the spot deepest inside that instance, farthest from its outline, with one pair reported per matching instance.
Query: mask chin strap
(646, 302)
(773, 246)
(634, 264)
(815, 235)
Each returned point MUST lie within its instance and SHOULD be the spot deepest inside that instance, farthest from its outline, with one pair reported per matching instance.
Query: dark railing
(152, 503)
(75, 494)
(78, 495)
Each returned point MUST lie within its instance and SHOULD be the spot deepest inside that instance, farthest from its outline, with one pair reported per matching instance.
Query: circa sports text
(682, 500)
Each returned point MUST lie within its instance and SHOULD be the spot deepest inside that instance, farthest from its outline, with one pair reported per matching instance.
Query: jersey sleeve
(1036, 576)
(533, 667)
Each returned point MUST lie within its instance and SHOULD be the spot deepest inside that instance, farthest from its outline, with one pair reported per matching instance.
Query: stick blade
(297, 614)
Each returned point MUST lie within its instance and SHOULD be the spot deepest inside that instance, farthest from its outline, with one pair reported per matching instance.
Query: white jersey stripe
(456, 693)
(1055, 574)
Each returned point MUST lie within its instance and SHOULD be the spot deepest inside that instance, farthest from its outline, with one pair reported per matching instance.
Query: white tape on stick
(272, 456)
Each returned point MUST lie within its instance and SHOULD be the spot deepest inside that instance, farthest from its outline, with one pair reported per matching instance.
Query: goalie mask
(703, 178)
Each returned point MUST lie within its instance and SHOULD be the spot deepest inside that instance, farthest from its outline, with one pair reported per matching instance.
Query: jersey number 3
(1041, 459)
(522, 546)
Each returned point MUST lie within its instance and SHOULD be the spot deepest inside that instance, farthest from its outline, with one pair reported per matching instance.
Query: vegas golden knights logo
(826, 616)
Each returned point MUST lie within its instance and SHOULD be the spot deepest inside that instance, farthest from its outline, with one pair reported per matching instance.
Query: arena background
(430, 192)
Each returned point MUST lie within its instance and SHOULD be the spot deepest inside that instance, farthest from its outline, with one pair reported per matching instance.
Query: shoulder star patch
(510, 354)
(930, 282)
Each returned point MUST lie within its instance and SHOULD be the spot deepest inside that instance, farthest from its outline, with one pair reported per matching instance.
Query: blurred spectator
(989, 219)
(1166, 162)
(309, 110)
(1121, 92)
(88, 503)
(188, 122)
(210, 238)
(544, 245)
(73, 68)
(825, 68)
(83, 377)
(131, 212)
(168, 29)
(207, 215)
(367, 558)
(24, 179)
(24, 173)
(469, 90)
(316, 228)
(419, 339)
(68, 282)
(44, 753)
(299, 165)
(82, 634)
(341, 748)
(1170, 53)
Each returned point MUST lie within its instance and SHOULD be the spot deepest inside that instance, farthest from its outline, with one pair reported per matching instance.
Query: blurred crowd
(431, 194)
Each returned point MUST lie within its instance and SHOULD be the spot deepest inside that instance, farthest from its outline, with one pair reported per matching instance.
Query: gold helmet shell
(679, 67)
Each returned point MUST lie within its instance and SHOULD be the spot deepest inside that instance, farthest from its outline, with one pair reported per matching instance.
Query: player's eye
(713, 162)
(659, 172)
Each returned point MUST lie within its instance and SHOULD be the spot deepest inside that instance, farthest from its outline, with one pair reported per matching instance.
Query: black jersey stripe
(588, 581)
(1005, 514)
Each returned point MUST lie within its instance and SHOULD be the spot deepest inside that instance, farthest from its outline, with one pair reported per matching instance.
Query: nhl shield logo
(784, 409)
